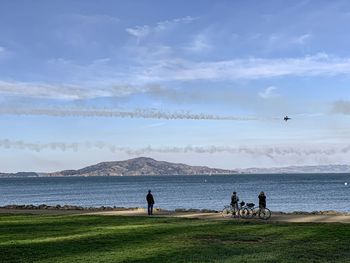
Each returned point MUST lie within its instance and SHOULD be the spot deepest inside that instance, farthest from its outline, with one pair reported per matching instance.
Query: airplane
(286, 118)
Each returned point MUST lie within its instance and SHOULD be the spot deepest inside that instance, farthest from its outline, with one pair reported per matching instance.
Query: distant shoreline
(168, 175)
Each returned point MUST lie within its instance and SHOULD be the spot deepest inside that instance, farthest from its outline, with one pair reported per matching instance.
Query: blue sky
(199, 82)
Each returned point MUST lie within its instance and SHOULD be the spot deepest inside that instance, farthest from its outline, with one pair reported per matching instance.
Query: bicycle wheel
(253, 212)
(264, 213)
(244, 213)
(235, 212)
(227, 211)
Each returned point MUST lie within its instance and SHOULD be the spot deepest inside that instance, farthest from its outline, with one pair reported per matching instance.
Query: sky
(196, 82)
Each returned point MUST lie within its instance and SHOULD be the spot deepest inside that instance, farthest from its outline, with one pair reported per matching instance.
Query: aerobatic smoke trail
(270, 152)
(138, 113)
(267, 151)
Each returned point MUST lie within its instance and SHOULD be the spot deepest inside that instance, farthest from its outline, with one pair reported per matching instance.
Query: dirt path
(276, 217)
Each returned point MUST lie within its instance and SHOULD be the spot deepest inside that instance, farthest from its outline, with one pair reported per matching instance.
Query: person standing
(262, 200)
(234, 203)
(150, 203)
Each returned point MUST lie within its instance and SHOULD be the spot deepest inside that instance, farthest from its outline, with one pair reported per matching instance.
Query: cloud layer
(67, 92)
(253, 68)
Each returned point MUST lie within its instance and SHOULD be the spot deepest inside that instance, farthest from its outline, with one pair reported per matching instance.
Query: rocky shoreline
(178, 210)
(67, 207)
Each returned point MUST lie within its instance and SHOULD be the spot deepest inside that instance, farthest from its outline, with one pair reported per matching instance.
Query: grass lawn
(71, 238)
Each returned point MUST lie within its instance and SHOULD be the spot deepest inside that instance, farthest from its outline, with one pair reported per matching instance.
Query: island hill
(141, 166)
(144, 166)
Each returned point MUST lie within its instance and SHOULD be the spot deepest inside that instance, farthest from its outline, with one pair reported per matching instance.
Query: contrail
(267, 151)
(138, 113)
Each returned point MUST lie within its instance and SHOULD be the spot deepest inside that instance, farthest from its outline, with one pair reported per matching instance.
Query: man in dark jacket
(150, 202)
(262, 200)
(234, 204)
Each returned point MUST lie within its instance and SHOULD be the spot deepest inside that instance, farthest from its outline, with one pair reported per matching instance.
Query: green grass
(33, 238)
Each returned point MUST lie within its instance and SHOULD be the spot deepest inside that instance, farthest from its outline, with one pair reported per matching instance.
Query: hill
(147, 166)
(138, 167)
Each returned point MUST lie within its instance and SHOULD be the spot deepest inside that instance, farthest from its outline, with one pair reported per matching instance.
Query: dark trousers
(150, 209)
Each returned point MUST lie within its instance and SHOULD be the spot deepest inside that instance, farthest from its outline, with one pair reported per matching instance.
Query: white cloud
(281, 41)
(145, 30)
(163, 25)
(199, 44)
(91, 19)
(252, 68)
(139, 31)
(302, 39)
(2, 49)
(269, 92)
(67, 92)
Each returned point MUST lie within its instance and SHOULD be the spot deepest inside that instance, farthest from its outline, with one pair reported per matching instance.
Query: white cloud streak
(252, 68)
(269, 92)
(161, 70)
(67, 92)
(302, 39)
(199, 44)
(152, 71)
(145, 30)
(139, 31)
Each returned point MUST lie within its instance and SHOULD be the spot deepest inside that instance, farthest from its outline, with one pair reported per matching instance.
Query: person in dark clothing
(234, 202)
(262, 200)
(150, 202)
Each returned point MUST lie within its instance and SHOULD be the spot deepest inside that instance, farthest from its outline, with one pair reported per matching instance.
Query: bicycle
(230, 211)
(246, 211)
(251, 211)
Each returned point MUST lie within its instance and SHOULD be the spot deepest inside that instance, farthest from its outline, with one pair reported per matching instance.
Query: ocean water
(285, 192)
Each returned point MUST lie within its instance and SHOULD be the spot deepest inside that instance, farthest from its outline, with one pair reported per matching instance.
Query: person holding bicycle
(262, 200)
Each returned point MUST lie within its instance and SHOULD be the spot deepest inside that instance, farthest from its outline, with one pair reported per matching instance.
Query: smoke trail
(267, 151)
(341, 107)
(270, 152)
(138, 113)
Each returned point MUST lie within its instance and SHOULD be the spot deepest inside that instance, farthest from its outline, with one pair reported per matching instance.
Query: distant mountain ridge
(143, 166)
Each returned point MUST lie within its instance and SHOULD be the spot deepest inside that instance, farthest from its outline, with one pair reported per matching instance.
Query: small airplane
(286, 118)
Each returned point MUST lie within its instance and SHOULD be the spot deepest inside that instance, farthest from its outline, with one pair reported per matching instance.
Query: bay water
(285, 192)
